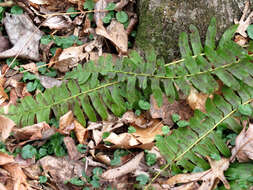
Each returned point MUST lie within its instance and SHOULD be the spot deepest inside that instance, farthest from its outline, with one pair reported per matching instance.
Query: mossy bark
(161, 21)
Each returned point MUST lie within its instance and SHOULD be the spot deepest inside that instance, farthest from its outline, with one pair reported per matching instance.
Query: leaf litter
(86, 156)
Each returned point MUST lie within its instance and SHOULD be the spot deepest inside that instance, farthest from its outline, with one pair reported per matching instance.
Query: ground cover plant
(76, 115)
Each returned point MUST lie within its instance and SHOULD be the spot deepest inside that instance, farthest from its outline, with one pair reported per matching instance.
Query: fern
(95, 89)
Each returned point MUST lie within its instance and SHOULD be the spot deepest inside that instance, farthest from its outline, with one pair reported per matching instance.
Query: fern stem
(176, 77)
(195, 143)
(72, 97)
(181, 60)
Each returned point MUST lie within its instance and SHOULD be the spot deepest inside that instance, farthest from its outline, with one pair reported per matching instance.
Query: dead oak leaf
(66, 123)
(34, 132)
(58, 22)
(129, 167)
(123, 140)
(6, 126)
(23, 35)
(209, 178)
(5, 159)
(116, 33)
(243, 149)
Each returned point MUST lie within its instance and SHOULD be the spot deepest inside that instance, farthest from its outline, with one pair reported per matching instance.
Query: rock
(161, 21)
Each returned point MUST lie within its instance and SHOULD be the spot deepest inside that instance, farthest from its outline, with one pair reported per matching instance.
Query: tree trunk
(161, 21)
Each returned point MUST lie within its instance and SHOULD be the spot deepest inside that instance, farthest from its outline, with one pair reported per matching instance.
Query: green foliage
(89, 4)
(2, 9)
(165, 129)
(131, 129)
(76, 181)
(28, 151)
(111, 6)
(239, 176)
(71, 10)
(150, 158)
(81, 148)
(144, 105)
(12, 63)
(63, 42)
(250, 31)
(143, 179)
(42, 179)
(122, 17)
(95, 89)
(117, 155)
(17, 10)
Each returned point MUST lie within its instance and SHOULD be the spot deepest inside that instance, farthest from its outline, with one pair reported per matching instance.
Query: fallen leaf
(61, 169)
(130, 118)
(244, 22)
(116, 33)
(119, 6)
(244, 144)
(49, 82)
(80, 132)
(58, 22)
(123, 140)
(70, 57)
(146, 136)
(72, 150)
(129, 167)
(18, 181)
(197, 100)
(165, 112)
(34, 132)
(6, 158)
(23, 35)
(209, 178)
(31, 67)
(6, 126)
(66, 123)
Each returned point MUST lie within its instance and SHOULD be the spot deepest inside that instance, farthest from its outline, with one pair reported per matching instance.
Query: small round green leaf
(122, 17)
(250, 31)
(183, 123)
(42, 179)
(131, 129)
(144, 105)
(17, 10)
(111, 6)
(28, 151)
(165, 129)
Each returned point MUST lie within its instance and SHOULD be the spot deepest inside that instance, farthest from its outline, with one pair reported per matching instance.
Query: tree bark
(161, 21)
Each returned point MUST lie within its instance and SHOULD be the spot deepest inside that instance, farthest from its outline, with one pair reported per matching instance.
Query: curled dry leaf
(58, 22)
(129, 167)
(146, 136)
(132, 119)
(116, 33)
(81, 132)
(23, 35)
(244, 144)
(123, 140)
(244, 22)
(6, 158)
(6, 126)
(70, 57)
(31, 67)
(197, 100)
(66, 123)
(167, 109)
(209, 178)
(19, 179)
(34, 132)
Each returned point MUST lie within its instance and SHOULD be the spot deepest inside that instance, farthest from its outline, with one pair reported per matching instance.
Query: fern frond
(96, 88)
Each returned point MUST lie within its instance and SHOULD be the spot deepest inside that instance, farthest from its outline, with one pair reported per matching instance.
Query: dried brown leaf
(23, 35)
(197, 100)
(66, 123)
(34, 132)
(123, 140)
(209, 178)
(129, 167)
(116, 33)
(167, 109)
(6, 158)
(6, 126)
(243, 149)
(61, 169)
(80, 132)
(58, 22)
(71, 147)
